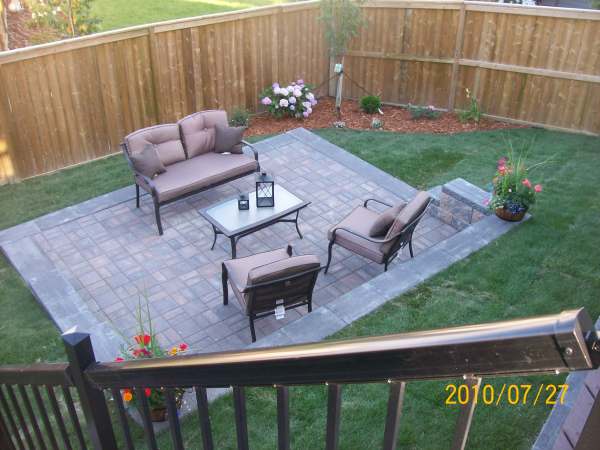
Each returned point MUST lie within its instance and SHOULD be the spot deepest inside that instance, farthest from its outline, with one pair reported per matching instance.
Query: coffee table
(227, 219)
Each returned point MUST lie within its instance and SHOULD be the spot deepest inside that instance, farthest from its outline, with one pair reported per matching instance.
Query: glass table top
(229, 219)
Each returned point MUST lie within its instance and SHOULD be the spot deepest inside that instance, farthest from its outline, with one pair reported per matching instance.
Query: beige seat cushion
(199, 172)
(382, 224)
(165, 139)
(238, 270)
(360, 220)
(282, 268)
(198, 131)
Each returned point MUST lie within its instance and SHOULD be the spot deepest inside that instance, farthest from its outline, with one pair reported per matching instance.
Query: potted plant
(146, 346)
(513, 192)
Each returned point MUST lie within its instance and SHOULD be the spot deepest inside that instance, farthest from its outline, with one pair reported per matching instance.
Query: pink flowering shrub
(294, 100)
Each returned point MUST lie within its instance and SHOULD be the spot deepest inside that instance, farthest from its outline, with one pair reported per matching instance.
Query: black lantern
(265, 190)
(243, 202)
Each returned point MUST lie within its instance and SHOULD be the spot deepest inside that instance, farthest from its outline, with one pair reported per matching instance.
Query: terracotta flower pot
(158, 414)
(510, 216)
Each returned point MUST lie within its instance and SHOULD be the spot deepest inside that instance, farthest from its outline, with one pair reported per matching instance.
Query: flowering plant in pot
(295, 100)
(146, 346)
(514, 193)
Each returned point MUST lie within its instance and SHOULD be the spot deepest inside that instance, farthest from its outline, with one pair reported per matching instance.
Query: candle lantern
(243, 202)
(265, 190)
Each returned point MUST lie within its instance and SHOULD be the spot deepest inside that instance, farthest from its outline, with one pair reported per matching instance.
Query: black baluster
(334, 409)
(123, 418)
(394, 410)
(32, 418)
(58, 417)
(465, 417)
(42, 410)
(73, 415)
(173, 420)
(20, 418)
(6, 442)
(241, 424)
(204, 417)
(11, 420)
(283, 418)
(146, 419)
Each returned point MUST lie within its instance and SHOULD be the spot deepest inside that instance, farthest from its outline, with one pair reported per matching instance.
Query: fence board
(68, 102)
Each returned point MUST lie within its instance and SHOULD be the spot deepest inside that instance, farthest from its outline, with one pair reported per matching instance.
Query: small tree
(69, 17)
(343, 20)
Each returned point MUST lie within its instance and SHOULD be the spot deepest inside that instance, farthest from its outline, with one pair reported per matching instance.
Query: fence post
(460, 37)
(81, 356)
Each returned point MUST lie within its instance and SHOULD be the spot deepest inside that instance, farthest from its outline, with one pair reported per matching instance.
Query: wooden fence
(73, 101)
(532, 65)
(68, 102)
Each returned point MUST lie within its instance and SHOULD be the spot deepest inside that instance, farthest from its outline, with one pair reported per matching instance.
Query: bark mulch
(22, 34)
(394, 119)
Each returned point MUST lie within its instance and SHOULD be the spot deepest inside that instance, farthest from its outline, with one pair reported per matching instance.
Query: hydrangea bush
(294, 100)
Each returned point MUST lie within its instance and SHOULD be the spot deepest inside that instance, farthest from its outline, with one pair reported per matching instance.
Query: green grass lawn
(544, 266)
(119, 14)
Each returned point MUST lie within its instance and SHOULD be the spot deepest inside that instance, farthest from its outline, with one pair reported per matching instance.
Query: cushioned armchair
(263, 281)
(379, 236)
(175, 160)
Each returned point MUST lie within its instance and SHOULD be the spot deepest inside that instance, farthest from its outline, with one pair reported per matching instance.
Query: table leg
(215, 239)
(233, 242)
(296, 222)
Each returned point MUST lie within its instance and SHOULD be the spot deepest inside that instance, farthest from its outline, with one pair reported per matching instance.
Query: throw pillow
(382, 224)
(228, 139)
(147, 162)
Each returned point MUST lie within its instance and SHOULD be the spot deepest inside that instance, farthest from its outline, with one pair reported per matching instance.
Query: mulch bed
(22, 34)
(394, 119)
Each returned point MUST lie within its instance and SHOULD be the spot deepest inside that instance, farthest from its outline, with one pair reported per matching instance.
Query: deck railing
(557, 343)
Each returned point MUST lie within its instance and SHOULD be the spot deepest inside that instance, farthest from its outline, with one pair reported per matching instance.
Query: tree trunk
(3, 27)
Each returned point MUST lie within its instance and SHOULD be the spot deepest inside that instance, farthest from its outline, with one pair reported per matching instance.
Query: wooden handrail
(54, 374)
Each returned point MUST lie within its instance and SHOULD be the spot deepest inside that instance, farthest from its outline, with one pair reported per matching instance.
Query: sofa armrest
(253, 148)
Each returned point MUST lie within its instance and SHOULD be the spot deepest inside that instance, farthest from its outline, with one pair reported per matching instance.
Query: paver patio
(110, 255)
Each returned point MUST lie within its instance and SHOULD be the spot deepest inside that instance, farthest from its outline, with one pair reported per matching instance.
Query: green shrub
(419, 112)
(474, 111)
(240, 117)
(370, 104)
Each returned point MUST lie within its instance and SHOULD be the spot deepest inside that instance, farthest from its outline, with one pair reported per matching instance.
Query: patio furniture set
(200, 151)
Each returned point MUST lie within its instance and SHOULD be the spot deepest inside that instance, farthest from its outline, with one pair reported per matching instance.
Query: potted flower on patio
(146, 346)
(513, 193)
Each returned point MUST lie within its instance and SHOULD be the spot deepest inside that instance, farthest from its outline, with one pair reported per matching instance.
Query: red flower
(119, 359)
(183, 347)
(526, 183)
(502, 170)
(148, 392)
(502, 162)
(538, 188)
(143, 339)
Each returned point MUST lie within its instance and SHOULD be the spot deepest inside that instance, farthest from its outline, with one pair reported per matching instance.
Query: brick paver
(114, 257)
